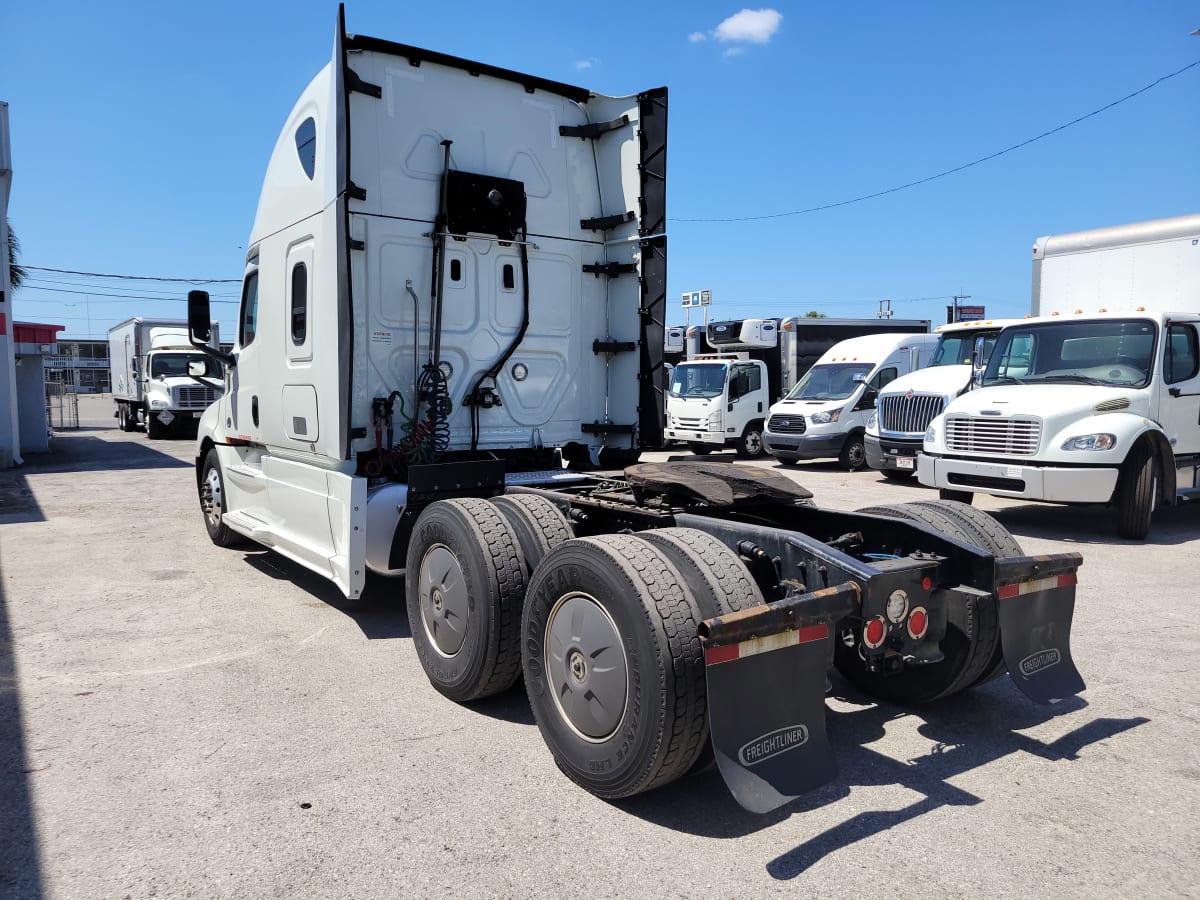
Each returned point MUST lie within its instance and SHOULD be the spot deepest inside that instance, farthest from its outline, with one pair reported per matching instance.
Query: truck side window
(753, 378)
(1182, 359)
(306, 146)
(299, 303)
(883, 378)
(249, 321)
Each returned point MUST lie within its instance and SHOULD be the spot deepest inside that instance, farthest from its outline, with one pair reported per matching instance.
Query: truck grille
(786, 424)
(1003, 437)
(909, 414)
(194, 397)
(689, 423)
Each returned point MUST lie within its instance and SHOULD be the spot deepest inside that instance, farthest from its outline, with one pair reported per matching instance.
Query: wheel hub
(586, 666)
(445, 604)
(210, 496)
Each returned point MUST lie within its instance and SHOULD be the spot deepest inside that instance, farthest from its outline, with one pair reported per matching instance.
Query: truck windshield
(957, 349)
(834, 381)
(171, 365)
(698, 380)
(1115, 352)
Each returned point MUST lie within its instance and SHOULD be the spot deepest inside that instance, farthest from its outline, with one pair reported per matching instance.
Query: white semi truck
(457, 272)
(160, 382)
(906, 406)
(1096, 400)
(721, 398)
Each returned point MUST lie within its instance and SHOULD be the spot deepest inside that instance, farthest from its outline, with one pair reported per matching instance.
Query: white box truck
(905, 407)
(1096, 400)
(720, 399)
(826, 413)
(160, 382)
(456, 272)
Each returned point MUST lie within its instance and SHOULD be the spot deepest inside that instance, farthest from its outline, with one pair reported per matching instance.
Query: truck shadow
(73, 452)
(967, 734)
(1096, 524)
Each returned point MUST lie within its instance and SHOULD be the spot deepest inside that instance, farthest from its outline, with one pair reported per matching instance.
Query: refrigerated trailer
(455, 275)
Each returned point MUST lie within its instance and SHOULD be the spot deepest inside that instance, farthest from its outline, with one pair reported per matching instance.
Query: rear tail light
(918, 623)
(874, 632)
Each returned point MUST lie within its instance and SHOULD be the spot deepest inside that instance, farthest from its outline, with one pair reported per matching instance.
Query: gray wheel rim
(586, 666)
(445, 610)
(211, 498)
(753, 442)
(857, 455)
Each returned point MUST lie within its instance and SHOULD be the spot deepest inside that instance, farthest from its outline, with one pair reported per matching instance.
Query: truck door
(1179, 401)
(244, 402)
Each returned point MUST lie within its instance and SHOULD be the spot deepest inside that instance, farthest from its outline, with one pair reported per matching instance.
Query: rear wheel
(968, 647)
(613, 664)
(212, 502)
(464, 583)
(854, 452)
(750, 444)
(538, 525)
(1138, 493)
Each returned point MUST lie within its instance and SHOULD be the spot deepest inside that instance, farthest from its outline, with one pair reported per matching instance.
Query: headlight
(930, 434)
(1090, 442)
(824, 418)
(159, 404)
(714, 421)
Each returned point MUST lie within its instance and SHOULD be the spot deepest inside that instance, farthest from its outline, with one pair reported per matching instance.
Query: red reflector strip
(1037, 584)
(715, 655)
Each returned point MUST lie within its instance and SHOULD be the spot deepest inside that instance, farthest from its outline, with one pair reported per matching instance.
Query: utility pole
(958, 297)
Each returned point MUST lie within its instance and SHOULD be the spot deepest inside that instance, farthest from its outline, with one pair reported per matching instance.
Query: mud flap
(766, 712)
(1035, 625)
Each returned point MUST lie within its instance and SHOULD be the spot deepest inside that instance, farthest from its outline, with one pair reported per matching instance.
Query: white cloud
(753, 26)
(583, 64)
(697, 36)
(734, 51)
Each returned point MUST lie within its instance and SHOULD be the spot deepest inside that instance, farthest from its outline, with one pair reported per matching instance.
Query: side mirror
(133, 367)
(859, 377)
(199, 320)
(197, 368)
(977, 377)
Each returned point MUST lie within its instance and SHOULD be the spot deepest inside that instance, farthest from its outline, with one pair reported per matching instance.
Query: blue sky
(140, 135)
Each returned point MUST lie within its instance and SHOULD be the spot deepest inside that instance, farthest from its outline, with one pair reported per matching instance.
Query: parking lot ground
(178, 719)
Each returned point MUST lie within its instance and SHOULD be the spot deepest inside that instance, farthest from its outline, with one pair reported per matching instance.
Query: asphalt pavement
(178, 719)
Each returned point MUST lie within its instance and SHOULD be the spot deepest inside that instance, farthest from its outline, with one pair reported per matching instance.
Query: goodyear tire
(464, 584)
(1137, 494)
(212, 502)
(613, 665)
(538, 525)
(969, 646)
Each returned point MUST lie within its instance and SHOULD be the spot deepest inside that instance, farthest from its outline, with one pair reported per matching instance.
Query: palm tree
(16, 272)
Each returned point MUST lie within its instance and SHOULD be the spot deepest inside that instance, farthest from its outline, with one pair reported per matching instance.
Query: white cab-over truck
(826, 413)
(905, 407)
(722, 398)
(1089, 404)
(457, 273)
(159, 380)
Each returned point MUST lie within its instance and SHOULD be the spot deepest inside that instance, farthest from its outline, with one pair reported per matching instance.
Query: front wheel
(155, 430)
(854, 453)
(700, 449)
(212, 502)
(750, 444)
(1138, 494)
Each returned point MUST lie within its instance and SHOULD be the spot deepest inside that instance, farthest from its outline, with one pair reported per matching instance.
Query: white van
(825, 414)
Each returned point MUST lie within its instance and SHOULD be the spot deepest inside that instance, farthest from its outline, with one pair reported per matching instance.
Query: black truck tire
(969, 646)
(613, 664)
(464, 585)
(700, 449)
(212, 502)
(1137, 493)
(964, 497)
(853, 455)
(750, 445)
(538, 525)
(155, 430)
(991, 536)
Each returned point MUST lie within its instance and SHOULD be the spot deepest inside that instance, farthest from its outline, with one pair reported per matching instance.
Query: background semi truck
(410, 367)
(1096, 403)
(906, 406)
(721, 398)
(149, 362)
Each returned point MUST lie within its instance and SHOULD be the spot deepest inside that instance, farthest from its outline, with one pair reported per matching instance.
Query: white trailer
(455, 277)
(159, 380)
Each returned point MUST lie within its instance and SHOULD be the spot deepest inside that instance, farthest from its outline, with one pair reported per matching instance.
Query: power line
(982, 159)
(139, 277)
(125, 297)
(41, 280)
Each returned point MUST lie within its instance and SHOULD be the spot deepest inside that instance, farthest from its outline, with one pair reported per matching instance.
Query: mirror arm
(220, 355)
